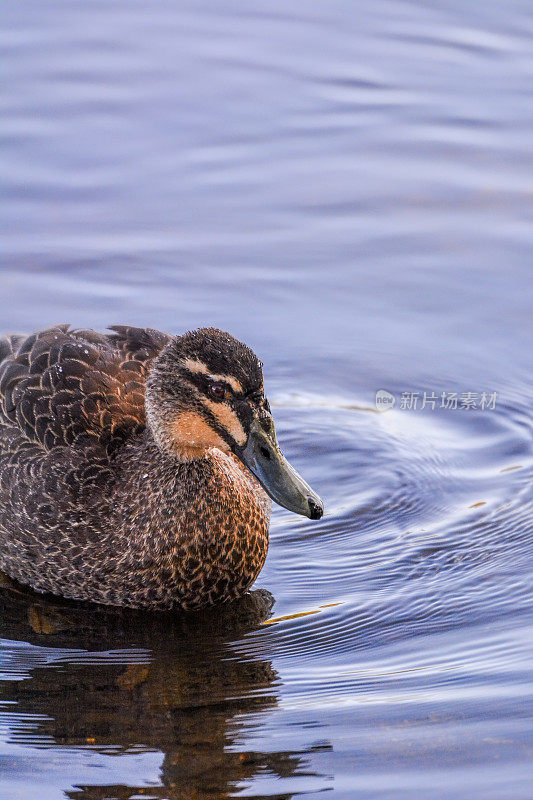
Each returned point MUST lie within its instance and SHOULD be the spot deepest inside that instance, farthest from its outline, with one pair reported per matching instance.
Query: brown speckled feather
(90, 507)
(74, 387)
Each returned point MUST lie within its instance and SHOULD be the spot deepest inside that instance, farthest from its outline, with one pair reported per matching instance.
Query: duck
(137, 468)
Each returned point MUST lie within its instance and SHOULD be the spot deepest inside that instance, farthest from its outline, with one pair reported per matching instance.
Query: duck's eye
(219, 391)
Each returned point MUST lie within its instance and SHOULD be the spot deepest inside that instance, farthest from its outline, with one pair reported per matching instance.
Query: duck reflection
(175, 684)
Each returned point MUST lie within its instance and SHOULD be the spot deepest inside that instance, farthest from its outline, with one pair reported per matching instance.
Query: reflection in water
(134, 682)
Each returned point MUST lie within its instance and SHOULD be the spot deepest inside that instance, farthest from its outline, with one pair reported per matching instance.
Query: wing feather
(63, 387)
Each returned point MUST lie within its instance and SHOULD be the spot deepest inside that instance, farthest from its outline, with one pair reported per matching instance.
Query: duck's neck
(154, 480)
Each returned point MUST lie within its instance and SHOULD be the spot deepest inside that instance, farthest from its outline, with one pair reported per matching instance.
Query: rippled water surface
(347, 187)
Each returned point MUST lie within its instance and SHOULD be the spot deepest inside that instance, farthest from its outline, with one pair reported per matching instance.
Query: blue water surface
(347, 187)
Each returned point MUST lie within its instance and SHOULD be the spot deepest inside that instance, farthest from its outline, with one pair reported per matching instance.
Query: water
(347, 188)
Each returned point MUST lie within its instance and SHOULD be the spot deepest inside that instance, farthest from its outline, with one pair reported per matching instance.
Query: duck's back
(69, 400)
(64, 388)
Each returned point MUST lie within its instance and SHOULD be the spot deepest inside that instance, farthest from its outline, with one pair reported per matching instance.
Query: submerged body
(125, 466)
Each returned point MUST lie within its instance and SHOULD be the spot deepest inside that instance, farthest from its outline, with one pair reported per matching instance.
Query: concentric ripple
(429, 526)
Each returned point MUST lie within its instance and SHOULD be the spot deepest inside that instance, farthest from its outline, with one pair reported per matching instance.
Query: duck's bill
(265, 460)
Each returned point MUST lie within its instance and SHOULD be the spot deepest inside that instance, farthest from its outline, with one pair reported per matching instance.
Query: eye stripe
(191, 434)
(227, 419)
(199, 367)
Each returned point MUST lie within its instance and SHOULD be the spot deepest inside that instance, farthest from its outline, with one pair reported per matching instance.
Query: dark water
(347, 187)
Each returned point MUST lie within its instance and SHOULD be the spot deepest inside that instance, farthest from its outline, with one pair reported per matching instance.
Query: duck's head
(206, 390)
